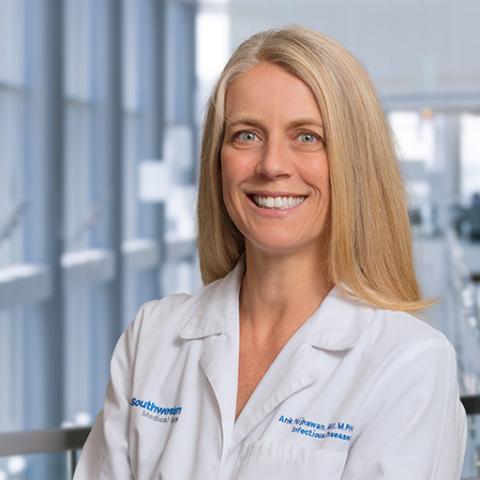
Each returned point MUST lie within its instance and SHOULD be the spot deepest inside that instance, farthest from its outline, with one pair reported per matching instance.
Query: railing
(67, 440)
(70, 440)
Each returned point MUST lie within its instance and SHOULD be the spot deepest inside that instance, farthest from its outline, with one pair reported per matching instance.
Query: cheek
(316, 174)
(234, 168)
(228, 177)
(323, 176)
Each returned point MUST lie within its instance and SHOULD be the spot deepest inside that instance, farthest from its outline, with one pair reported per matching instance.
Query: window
(470, 156)
(61, 311)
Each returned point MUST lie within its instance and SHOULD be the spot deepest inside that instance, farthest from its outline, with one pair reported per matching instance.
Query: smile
(278, 203)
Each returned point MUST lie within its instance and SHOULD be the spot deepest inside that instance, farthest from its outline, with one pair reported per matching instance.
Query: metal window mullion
(106, 181)
(43, 343)
(43, 239)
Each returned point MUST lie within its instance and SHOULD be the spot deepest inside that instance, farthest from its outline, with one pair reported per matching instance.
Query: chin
(277, 248)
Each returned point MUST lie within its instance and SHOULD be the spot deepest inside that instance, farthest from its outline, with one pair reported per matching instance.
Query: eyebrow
(256, 123)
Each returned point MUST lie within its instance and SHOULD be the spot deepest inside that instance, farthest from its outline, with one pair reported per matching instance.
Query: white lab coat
(356, 393)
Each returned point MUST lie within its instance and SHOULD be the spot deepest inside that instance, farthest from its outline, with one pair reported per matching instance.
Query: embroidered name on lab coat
(163, 414)
(302, 426)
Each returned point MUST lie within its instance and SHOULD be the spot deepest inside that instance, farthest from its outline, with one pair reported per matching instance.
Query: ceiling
(412, 49)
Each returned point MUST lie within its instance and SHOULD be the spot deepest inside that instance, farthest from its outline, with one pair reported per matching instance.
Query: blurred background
(101, 106)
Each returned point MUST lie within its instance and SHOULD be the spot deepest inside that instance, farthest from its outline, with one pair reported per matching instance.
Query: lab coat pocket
(275, 461)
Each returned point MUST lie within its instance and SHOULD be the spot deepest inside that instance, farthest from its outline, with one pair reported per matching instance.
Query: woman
(300, 357)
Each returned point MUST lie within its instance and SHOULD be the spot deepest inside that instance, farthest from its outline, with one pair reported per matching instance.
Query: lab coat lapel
(310, 356)
(216, 323)
(295, 368)
(307, 357)
(219, 361)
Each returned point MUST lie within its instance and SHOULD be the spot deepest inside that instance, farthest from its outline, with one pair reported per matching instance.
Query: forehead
(267, 89)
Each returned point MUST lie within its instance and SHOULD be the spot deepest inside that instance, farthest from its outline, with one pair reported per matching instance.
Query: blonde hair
(370, 246)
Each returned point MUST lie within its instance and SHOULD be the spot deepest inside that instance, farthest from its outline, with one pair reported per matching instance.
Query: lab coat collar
(216, 306)
(338, 323)
(340, 320)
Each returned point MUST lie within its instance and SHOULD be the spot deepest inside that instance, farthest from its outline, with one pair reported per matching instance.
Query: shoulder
(402, 328)
(162, 317)
(162, 309)
(155, 332)
(166, 317)
(371, 331)
(402, 360)
(399, 338)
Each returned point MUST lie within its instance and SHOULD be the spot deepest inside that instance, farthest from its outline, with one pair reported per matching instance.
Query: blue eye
(308, 138)
(246, 136)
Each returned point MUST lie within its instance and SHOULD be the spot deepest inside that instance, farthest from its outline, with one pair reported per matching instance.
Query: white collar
(338, 324)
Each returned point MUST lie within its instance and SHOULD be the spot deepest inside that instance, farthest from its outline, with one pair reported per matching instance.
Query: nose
(274, 161)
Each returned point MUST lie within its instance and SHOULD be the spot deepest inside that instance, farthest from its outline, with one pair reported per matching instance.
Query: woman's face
(274, 161)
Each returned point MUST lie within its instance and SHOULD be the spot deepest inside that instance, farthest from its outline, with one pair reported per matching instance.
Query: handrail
(67, 440)
(42, 441)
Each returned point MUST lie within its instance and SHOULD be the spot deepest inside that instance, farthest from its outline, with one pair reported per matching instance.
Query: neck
(279, 293)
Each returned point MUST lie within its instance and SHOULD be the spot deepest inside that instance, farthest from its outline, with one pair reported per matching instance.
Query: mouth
(277, 202)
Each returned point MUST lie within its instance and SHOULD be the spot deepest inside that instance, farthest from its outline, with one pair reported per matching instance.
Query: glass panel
(470, 154)
(12, 199)
(12, 46)
(130, 187)
(212, 45)
(12, 397)
(130, 54)
(78, 355)
(77, 28)
(79, 213)
(212, 51)
(414, 135)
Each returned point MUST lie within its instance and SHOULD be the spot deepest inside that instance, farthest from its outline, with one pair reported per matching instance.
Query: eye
(246, 136)
(308, 138)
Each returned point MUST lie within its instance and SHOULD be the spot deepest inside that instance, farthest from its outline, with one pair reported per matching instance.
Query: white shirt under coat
(356, 393)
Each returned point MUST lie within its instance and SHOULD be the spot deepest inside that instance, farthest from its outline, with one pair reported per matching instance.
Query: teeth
(281, 203)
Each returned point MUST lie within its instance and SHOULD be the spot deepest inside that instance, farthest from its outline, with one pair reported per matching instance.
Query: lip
(273, 212)
(266, 193)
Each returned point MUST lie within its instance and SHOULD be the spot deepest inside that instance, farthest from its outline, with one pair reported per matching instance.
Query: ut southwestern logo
(163, 414)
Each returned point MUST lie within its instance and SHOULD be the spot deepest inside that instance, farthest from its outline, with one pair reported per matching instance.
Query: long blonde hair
(370, 246)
